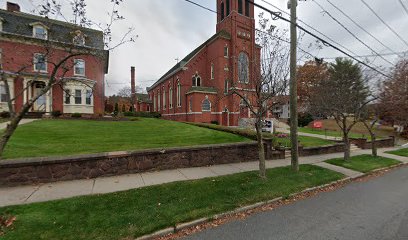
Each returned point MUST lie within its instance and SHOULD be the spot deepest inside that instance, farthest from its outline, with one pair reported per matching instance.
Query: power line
(317, 37)
(362, 28)
(374, 55)
(258, 30)
(388, 26)
(350, 32)
(279, 16)
(403, 6)
(313, 28)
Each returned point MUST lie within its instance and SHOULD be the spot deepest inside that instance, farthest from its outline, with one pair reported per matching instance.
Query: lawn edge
(309, 192)
(372, 171)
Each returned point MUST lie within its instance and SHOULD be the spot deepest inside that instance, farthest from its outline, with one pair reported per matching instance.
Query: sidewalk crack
(35, 190)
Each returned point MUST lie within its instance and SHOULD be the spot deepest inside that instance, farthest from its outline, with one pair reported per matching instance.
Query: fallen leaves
(6, 222)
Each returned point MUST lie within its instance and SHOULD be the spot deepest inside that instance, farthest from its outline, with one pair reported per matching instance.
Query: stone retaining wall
(380, 143)
(42, 170)
(308, 151)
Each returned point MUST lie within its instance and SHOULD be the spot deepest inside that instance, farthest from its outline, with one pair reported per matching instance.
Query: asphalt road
(377, 209)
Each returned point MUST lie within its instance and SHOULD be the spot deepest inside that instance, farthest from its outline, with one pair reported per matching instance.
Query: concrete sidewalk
(60, 190)
(23, 121)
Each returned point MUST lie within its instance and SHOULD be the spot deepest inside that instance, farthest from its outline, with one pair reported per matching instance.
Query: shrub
(128, 114)
(56, 113)
(304, 119)
(76, 115)
(215, 122)
(5, 114)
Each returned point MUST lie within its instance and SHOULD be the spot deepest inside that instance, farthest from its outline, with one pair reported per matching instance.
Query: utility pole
(293, 87)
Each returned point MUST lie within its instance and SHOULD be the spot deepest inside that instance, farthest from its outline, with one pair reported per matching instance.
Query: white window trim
(226, 56)
(179, 95)
(78, 74)
(212, 71)
(206, 99)
(1, 24)
(91, 97)
(45, 62)
(75, 96)
(170, 98)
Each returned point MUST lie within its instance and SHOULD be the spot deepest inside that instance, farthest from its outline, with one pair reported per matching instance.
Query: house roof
(185, 60)
(202, 90)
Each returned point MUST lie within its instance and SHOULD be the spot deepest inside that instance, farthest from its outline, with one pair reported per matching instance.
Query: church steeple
(233, 10)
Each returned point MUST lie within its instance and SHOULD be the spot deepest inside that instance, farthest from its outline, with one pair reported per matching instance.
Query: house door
(40, 104)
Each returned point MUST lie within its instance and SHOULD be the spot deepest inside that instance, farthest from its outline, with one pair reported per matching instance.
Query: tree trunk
(347, 147)
(373, 145)
(261, 151)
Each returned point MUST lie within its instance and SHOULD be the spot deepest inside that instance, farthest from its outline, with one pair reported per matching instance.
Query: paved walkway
(60, 190)
(23, 121)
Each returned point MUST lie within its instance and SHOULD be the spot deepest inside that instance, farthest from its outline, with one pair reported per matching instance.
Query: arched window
(243, 67)
(164, 98)
(178, 94)
(206, 105)
(240, 7)
(171, 97)
(222, 11)
(196, 80)
(154, 103)
(158, 100)
(190, 104)
(228, 8)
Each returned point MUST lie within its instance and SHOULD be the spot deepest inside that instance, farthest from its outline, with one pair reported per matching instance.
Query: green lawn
(305, 141)
(129, 214)
(364, 163)
(67, 137)
(333, 133)
(401, 152)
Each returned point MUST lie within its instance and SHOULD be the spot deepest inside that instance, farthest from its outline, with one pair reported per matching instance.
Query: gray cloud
(170, 29)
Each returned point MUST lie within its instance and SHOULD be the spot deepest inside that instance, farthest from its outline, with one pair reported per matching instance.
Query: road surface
(376, 209)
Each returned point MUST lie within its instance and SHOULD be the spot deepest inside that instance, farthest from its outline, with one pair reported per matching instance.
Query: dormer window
(79, 38)
(40, 30)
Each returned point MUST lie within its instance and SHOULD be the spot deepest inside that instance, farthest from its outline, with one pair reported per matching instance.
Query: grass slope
(364, 163)
(334, 133)
(67, 137)
(401, 152)
(126, 215)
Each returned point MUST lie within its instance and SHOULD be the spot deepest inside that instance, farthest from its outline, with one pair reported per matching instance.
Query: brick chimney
(13, 7)
(133, 86)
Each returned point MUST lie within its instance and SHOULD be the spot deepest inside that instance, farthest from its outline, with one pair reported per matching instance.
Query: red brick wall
(17, 55)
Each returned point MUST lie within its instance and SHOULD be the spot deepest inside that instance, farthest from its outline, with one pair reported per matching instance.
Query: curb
(243, 209)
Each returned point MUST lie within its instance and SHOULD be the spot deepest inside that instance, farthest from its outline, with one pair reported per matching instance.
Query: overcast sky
(170, 29)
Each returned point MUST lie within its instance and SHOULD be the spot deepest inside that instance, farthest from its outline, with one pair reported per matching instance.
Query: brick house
(196, 89)
(30, 45)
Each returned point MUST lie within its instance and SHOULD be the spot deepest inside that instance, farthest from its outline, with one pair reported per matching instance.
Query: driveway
(377, 209)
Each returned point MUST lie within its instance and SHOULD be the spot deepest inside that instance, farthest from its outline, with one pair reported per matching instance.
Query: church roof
(186, 59)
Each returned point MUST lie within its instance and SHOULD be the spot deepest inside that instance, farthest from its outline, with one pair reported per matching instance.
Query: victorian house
(31, 45)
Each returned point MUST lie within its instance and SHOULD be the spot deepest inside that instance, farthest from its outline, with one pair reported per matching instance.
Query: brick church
(197, 89)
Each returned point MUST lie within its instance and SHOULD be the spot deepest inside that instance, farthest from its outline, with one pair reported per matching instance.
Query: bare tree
(59, 57)
(393, 99)
(126, 92)
(343, 96)
(269, 78)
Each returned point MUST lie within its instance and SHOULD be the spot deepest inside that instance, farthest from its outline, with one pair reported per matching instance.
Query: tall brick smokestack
(133, 87)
